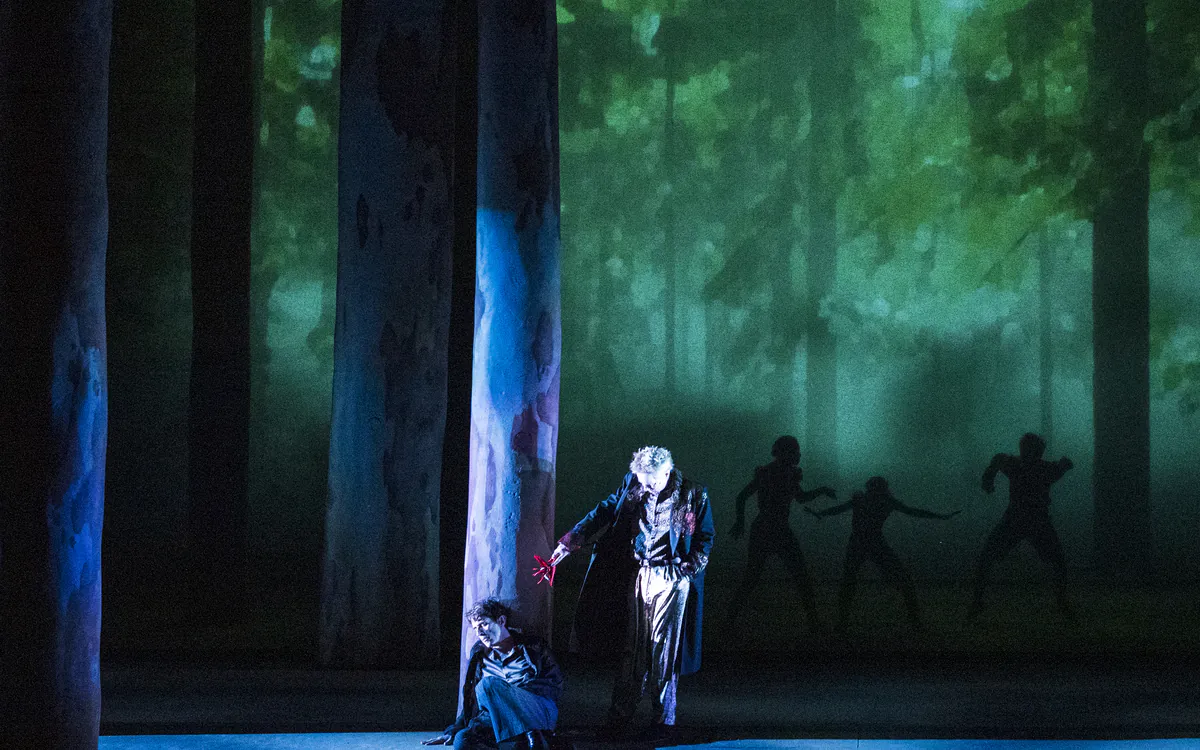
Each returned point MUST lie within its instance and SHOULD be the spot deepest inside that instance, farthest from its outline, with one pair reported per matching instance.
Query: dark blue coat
(602, 613)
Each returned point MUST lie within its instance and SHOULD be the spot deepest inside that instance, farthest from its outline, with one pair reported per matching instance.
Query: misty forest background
(868, 225)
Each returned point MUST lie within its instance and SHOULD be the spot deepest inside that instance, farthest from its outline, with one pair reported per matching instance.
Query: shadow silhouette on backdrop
(869, 511)
(777, 484)
(1027, 517)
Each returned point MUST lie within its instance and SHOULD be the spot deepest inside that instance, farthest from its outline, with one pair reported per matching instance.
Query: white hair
(650, 459)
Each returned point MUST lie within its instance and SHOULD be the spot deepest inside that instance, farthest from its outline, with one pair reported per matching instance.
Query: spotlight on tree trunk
(514, 407)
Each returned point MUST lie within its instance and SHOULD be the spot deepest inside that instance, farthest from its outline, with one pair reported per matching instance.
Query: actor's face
(489, 631)
(657, 481)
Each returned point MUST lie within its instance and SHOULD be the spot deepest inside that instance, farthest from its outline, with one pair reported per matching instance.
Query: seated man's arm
(469, 709)
(548, 678)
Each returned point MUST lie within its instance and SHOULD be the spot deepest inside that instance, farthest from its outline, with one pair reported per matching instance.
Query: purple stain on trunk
(525, 433)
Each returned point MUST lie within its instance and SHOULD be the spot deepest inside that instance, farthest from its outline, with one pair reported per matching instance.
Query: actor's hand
(738, 529)
(813, 513)
(829, 492)
(952, 514)
(441, 739)
(560, 553)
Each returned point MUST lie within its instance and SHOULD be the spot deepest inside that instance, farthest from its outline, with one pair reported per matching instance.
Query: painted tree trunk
(1121, 288)
(379, 604)
(514, 407)
(53, 377)
(821, 429)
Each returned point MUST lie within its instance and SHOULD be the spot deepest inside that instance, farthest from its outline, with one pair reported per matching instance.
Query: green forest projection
(900, 186)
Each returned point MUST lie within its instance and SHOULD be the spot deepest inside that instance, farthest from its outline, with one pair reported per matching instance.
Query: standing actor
(1027, 517)
(511, 689)
(652, 538)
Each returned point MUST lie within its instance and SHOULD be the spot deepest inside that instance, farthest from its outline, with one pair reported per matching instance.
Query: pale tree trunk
(1121, 289)
(514, 407)
(396, 224)
(54, 408)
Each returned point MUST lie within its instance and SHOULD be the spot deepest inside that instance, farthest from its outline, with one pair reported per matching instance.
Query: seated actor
(511, 689)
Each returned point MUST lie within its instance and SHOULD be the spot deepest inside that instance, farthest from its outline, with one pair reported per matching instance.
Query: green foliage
(960, 146)
(297, 213)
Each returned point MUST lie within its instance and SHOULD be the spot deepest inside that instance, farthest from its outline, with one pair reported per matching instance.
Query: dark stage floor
(411, 741)
(756, 703)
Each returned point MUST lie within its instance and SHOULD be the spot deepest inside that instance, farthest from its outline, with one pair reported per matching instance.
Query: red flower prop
(544, 571)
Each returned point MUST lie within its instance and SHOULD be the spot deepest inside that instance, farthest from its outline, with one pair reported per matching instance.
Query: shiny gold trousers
(652, 656)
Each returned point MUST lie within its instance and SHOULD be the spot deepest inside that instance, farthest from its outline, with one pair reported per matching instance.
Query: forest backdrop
(867, 223)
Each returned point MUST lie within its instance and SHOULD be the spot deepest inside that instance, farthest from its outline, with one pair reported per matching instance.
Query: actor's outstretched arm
(597, 521)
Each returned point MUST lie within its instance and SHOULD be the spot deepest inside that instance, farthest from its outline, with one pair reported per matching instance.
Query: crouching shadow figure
(777, 485)
(1027, 517)
(512, 687)
(870, 510)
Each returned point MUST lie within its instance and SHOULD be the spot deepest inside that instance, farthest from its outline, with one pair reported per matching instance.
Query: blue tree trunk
(514, 406)
(396, 226)
(54, 408)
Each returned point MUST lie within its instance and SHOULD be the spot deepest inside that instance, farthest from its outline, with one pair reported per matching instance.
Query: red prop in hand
(544, 570)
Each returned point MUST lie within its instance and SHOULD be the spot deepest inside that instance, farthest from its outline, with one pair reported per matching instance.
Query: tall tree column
(514, 405)
(395, 161)
(54, 407)
(1121, 287)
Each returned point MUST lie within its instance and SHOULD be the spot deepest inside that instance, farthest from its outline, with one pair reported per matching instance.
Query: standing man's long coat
(602, 614)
